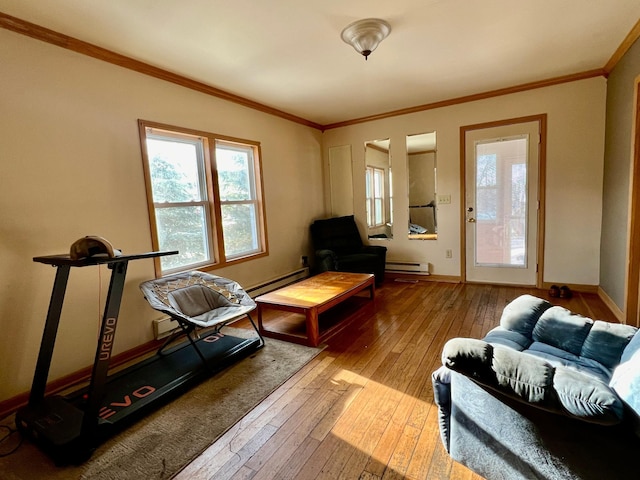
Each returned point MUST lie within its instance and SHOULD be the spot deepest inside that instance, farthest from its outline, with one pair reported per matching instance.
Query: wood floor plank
(294, 437)
(363, 408)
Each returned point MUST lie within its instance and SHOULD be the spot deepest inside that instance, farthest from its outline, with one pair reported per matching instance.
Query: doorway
(502, 171)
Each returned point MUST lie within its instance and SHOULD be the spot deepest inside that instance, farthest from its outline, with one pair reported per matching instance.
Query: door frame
(631, 304)
(542, 178)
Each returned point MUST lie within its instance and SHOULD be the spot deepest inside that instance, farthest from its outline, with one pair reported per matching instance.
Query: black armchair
(339, 248)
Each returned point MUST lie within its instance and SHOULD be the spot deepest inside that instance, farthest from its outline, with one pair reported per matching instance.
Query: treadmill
(69, 428)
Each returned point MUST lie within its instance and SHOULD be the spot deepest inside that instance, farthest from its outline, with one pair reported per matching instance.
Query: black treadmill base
(56, 424)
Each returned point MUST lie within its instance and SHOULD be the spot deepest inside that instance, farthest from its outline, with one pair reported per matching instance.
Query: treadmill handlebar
(65, 259)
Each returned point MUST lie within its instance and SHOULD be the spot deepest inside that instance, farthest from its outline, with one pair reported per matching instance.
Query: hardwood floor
(363, 408)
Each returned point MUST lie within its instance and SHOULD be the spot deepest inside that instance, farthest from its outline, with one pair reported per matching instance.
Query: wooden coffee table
(312, 297)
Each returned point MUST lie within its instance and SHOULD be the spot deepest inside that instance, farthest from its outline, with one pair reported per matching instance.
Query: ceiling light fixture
(365, 35)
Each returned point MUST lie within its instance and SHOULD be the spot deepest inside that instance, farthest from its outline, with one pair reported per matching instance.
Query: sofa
(548, 394)
(338, 247)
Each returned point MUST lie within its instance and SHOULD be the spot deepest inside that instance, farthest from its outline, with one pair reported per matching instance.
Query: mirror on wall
(421, 175)
(378, 193)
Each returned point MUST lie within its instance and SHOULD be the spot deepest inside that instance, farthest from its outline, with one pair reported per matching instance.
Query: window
(205, 197)
(375, 196)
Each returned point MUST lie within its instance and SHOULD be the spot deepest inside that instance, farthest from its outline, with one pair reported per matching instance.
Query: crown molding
(61, 40)
(472, 98)
(32, 30)
(626, 44)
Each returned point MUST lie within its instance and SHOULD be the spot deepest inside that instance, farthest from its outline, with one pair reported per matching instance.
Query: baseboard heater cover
(278, 282)
(418, 268)
(165, 326)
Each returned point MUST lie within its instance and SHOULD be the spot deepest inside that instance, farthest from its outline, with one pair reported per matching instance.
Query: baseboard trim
(576, 287)
(619, 314)
(58, 385)
(421, 277)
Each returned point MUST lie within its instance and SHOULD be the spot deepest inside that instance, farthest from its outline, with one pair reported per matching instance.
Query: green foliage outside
(174, 178)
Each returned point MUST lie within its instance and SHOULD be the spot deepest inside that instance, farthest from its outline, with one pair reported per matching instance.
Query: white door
(501, 190)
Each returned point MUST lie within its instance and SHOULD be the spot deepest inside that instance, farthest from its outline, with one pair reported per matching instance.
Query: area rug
(164, 442)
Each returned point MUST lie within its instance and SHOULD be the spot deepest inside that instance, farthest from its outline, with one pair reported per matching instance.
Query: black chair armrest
(327, 260)
(375, 249)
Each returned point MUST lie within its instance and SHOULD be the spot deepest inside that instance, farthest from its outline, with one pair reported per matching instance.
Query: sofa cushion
(563, 329)
(559, 358)
(587, 398)
(626, 377)
(195, 300)
(632, 348)
(507, 338)
(521, 314)
(606, 342)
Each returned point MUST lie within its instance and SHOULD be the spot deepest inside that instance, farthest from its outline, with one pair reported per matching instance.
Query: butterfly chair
(198, 300)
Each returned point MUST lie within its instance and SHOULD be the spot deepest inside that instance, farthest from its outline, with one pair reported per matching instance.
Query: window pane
(378, 179)
(239, 228)
(174, 170)
(234, 174)
(182, 229)
(378, 211)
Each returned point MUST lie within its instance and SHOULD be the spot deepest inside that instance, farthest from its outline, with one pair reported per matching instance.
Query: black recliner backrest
(339, 234)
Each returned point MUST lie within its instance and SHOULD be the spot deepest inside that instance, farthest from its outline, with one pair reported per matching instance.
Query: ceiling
(288, 54)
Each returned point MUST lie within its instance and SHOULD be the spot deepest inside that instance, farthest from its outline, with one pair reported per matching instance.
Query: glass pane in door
(501, 202)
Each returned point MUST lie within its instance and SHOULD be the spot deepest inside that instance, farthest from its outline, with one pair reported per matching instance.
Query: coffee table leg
(313, 330)
(260, 327)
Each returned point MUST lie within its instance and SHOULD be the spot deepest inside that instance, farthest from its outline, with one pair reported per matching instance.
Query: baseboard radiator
(165, 326)
(278, 282)
(416, 268)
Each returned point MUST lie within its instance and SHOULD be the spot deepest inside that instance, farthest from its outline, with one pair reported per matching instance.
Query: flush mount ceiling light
(365, 35)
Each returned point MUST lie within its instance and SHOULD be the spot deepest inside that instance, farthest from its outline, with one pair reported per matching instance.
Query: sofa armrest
(441, 381)
(534, 381)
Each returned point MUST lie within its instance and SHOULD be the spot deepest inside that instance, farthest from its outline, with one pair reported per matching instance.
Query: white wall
(574, 174)
(71, 166)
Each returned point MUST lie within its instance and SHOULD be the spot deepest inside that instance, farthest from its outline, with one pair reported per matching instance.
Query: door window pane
(501, 202)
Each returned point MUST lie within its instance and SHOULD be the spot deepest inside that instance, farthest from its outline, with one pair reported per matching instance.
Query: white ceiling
(288, 54)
